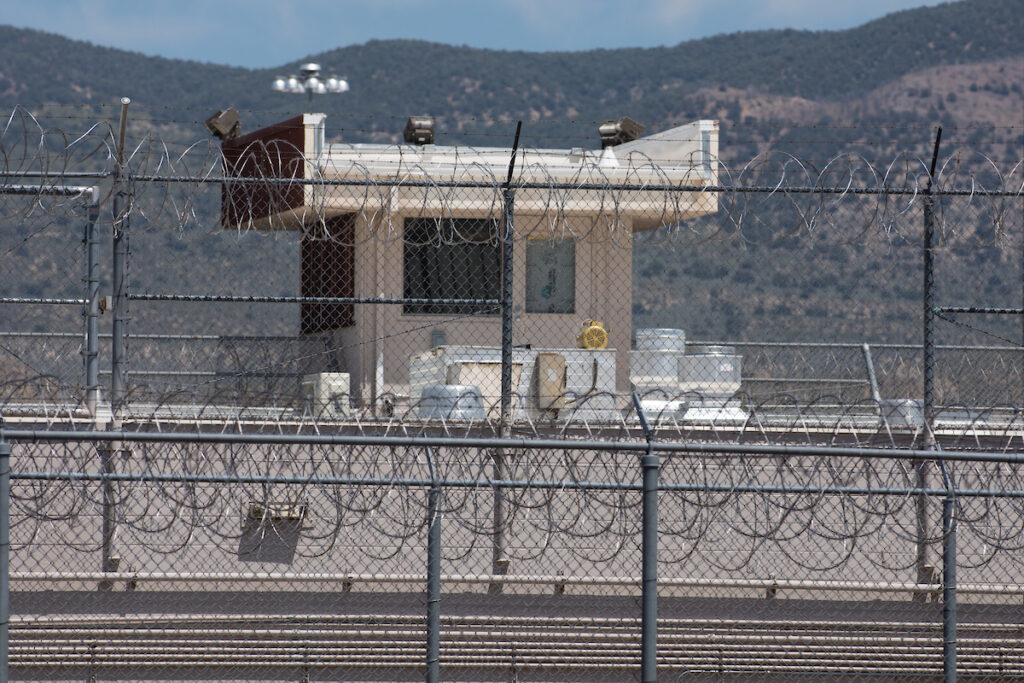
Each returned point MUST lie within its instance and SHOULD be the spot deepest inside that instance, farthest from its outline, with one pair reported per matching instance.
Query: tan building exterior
(382, 208)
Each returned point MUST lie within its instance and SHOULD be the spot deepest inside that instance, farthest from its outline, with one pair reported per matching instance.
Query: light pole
(309, 82)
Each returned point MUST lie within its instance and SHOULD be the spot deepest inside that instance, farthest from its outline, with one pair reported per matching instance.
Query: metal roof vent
(419, 130)
(618, 131)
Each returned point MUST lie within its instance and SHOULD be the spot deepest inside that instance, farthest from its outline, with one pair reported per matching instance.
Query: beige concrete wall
(603, 292)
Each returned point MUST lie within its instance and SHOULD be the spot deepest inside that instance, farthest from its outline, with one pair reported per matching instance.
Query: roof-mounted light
(619, 131)
(419, 130)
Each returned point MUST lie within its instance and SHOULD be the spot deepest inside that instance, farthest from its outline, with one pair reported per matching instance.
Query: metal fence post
(433, 574)
(119, 281)
(928, 294)
(122, 203)
(108, 519)
(876, 395)
(5, 547)
(499, 563)
(92, 310)
(508, 197)
(925, 564)
(650, 463)
(948, 578)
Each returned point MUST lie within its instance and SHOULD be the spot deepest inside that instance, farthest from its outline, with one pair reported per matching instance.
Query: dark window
(449, 259)
(327, 271)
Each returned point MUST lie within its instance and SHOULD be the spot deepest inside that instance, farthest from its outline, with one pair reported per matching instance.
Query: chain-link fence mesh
(329, 346)
(275, 561)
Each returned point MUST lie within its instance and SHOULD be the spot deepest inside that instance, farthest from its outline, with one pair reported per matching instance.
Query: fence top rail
(523, 185)
(857, 346)
(146, 477)
(629, 187)
(90, 193)
(638, 446)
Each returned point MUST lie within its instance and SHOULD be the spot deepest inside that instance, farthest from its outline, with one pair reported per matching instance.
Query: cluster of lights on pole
(309, 82)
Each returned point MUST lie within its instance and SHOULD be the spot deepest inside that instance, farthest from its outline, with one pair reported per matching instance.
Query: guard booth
(419, 222)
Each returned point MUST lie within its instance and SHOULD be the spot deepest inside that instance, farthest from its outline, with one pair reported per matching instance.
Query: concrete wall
(603, 292)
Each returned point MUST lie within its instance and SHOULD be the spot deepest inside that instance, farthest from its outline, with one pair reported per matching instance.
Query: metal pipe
(751, 665)
(872, 380)
(547, 646)
(649, 463)
(542, 639)
(433, 574)
(290, 337)
(924, 553)
(499, 563)
(1008, 590)
(488, 184)
(122, 208)
(5, 549)
(713, 665)
(905, 656)
(928, 290)
(62, 175)
(672, 625)
(43, 301)
(544, 645)
(53, 190)
(949, 588)
(508, 235)
(419, 441)
(855, 345)
(92, 312)
(805, 380)
(924, 561)
(979, 309)
(536, 641)
(622, 630)
(120, 263)
(256, 299)
(109, 561)
(406, 482)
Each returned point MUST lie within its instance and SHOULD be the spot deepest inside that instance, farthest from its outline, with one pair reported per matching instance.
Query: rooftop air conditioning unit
(654, 369)
(327, 393)
(452, 402)
(712, 375)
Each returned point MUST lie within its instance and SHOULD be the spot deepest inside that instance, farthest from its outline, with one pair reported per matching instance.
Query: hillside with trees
(870, 94)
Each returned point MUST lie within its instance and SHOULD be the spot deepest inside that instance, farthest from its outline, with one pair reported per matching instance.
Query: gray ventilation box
(654, 370)
(653, 364)
(713, 374)
(451, 402)
(327, 393)
(901, 413)
(710, 371)
(660, 339)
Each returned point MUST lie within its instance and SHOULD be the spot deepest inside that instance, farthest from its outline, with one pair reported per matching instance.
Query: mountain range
(874, 92)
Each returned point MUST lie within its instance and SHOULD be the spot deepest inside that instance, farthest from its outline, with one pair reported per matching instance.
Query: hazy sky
(266, 33)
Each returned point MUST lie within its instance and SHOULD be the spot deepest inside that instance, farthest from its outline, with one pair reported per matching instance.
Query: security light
(225, 124)
(618, 131)
(419, 130)
(309, 82)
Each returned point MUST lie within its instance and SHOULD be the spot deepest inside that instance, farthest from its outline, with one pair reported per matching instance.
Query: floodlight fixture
(419, 130)
(309, 82)
(618, 131)
(225, 124)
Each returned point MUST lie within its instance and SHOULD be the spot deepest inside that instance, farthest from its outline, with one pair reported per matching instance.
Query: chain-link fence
(285, 408)
(289, 557)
